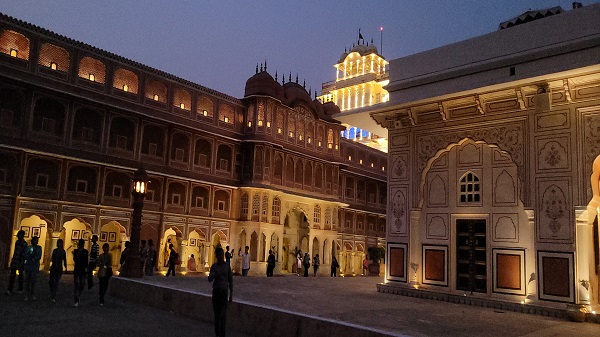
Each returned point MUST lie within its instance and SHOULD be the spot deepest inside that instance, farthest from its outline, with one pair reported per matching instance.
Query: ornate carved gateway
(495, 165)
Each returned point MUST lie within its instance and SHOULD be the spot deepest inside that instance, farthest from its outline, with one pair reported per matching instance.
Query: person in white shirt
(245, 261)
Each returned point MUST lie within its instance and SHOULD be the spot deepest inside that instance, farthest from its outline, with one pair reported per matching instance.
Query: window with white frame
(244, 206)
(317, 215)
(276, 207)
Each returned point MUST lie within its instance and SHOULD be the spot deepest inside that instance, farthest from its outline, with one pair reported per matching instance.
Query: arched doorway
(35, 226)
(296, 229)
(315, 247)
(195, 247)
(254, 246)
(171, 236)
(114, 234)
(219, 239)
(274, 245)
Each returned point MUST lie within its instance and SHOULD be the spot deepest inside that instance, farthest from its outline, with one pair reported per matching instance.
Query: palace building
(269, 170)
(494, 172)
(360, 77)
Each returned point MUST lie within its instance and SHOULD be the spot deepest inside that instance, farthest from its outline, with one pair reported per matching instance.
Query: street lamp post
(133, 264)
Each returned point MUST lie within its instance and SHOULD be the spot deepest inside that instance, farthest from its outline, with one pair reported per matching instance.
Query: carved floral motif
(398, 225)
(554, 208)
(591, 145)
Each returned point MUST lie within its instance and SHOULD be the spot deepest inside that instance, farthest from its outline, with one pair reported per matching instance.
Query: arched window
(87, 126)
(224, 158)
(255, 204)
(153, 141)
(11, 107)
(205, 107)
(122, 134)
(182, 99)
(264, 207)
(54, 57)
(82, 179)
(203, 153)
(200, 197)
(156, 91)
(49, 116)
(226, 113)
(92, 69)
(180, 147)
(14, 44)
(328, 216)
(221, 201)
(469, 188)
(125, 80)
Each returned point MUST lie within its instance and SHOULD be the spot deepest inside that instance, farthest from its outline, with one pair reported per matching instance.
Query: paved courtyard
(353, 300)
(356, 300)
(118, 318)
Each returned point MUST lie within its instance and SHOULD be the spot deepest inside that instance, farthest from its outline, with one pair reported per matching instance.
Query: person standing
(173, 257)
(366, 266)
(220, 273)
(104, 271)
(228, 256)
(94, 251)
(334, 266)
(17, 263)
(306, 264)
(245, 261)
(299, 258)
(270, 264)
(316, 264)
(143, 255)
(151, 258)
(80, 259)
(59, 258)
(124, 254)
(32, 266)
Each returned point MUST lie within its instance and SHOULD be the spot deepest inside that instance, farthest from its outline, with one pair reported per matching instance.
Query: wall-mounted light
(91, 77)
(125, 87)
(182, 105)
(53, 65)
(14, 52)
(155, 97)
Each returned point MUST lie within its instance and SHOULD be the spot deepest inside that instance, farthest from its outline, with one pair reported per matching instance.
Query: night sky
(218, 43)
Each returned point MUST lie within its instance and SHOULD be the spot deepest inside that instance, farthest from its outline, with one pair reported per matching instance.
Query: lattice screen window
(182, 99)
(244, 206)
(317, 215)
(226, 113)
(205, 107)
(54, 57)
(92, 69)
(265, 205)
(14, 44)
(255, 204)
(276, 207)
(125, 80)
(156, 91)
(469, 188)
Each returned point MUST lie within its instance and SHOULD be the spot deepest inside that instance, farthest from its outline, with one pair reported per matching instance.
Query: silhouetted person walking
(17, 263)
(220, 273)
(270, 263)
(59, 258)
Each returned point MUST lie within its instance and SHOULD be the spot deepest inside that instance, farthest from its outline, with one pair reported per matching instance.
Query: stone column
(584, 250)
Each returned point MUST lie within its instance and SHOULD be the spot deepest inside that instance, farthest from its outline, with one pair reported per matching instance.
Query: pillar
(584, 250)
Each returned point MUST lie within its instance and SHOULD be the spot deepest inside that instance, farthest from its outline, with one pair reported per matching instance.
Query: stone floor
(356, 300)
(118, 318)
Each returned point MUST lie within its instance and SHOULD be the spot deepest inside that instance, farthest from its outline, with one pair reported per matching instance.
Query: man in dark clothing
(228, 256)
(80, 258)
(220, 273)
(94, 252)
(17, 263)
(270, 263)
(306, 264)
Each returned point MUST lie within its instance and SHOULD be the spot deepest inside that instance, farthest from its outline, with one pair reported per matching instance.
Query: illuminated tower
(360, 77)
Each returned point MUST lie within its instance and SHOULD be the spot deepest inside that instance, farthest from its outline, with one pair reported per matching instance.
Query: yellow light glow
(268, 124)
(92, 77)
(300, 137)
(155, 97)
(329, 145)
(522, 302)
(319, 143)
(205, 113)
(226, 119)
(260, 123)
(249, 124)
(349, 157)
(125, 87)
(52, 65)
(383, 168)
(360, 161)
(309, 140)
(372, 165)
(336, 147)
(279, 130)
(291, 134)
(14, 52)
(182, 105)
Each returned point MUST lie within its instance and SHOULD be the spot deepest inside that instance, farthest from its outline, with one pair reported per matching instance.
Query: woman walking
(104, 271)
(80, 258)
(59, 258)
(32, 266)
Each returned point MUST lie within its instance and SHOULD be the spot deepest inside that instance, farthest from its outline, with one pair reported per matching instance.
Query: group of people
(304, 264)
(26, 262)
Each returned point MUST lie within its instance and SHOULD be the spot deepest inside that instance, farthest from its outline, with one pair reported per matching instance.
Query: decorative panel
(437, 226)
(509, 271)
(505, 192)
(552, 154)
(470, 154)
(556, 276)
(435, 265)
(441, 161)
(399, 167)
(437, 191)
(505, 227)
(398, 225)
(396, 262)
(399, 140)
(554, 206)
(591, 143)
(552, 121)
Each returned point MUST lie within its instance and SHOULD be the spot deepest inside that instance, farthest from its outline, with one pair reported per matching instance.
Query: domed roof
(361, 49)
(262, 84)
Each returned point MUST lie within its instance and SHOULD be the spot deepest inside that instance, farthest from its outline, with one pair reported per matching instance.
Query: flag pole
(381, 41)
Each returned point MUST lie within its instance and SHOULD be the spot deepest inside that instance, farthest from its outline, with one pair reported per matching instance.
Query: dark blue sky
(218, 43)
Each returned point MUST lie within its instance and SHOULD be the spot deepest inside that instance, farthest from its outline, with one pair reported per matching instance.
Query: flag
(360, 37)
